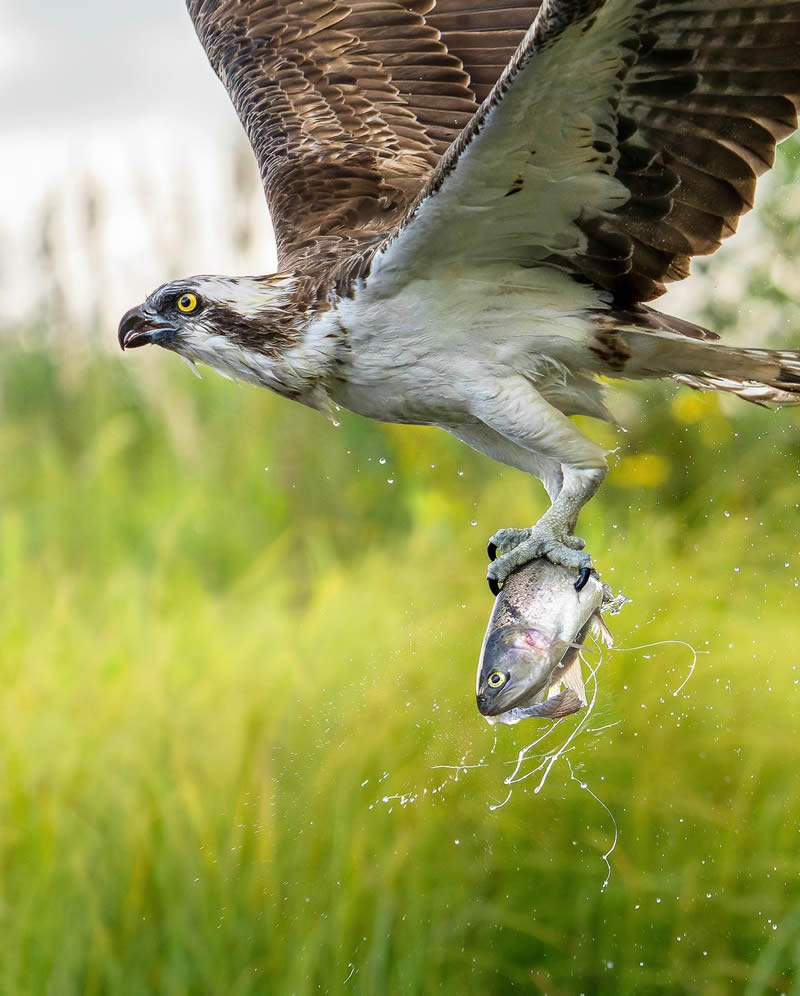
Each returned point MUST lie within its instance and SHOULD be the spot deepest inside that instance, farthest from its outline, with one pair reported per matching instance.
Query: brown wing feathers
(484, 35)
(350, 105)
(708, 99)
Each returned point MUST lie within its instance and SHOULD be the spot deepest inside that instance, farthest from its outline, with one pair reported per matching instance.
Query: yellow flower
(644, 470)
(692, 406)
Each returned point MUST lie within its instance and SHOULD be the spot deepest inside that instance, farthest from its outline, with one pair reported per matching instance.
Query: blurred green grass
(233, 655)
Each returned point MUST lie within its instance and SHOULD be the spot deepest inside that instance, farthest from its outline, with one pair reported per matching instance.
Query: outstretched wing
(349, 105)
(624, 137)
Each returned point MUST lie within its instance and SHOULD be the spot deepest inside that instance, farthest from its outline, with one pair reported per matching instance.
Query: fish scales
(530, 665)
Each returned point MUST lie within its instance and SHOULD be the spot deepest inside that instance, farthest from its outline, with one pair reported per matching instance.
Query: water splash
(665, 643)
(606, 854)
(558, 749)
(549, 759)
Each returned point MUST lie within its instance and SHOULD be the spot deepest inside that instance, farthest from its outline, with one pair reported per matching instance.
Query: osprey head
(254, 329)
(184, 314)
(189, 316)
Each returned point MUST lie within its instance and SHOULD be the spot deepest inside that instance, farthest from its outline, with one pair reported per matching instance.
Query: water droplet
(390, 480)
(382, 460)
(474, 522)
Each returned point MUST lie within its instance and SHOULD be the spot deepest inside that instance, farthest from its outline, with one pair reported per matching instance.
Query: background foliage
(238, 642)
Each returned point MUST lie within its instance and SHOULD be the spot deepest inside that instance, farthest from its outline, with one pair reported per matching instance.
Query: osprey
(474, 199)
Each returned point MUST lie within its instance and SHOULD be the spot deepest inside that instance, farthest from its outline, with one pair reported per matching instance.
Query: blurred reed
(95, 246)
(233, 656)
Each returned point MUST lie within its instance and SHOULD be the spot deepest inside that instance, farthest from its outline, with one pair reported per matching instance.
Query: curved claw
(494, 587)
(583, 576)
(491, 551)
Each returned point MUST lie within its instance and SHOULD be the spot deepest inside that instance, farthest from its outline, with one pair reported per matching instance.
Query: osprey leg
(552, 536)
(519, 413)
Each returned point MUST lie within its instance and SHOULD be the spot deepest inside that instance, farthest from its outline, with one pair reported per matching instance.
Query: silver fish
(530, 659)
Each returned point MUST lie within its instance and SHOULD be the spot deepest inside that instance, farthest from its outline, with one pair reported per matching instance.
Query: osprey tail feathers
(758, 392)
(761, 376)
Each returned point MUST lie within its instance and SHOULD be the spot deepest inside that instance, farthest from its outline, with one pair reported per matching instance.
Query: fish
(530, 665)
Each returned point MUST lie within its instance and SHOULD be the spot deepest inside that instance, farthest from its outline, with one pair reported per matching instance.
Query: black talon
(491, 550)
(494, 587)
(583, 576)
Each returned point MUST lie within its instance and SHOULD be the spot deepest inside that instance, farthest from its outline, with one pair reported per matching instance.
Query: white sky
(119, 94)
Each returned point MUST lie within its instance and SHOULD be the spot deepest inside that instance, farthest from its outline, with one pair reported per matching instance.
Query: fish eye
(186, 303)
(496, 679)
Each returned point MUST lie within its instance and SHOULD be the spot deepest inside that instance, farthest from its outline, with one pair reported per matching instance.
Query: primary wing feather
(624, 137)
(716, 87)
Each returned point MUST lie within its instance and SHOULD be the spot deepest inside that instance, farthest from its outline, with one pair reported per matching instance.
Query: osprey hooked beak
(140, 326)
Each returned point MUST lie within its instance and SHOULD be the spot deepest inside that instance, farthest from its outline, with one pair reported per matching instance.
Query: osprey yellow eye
(496, 679)
(187, 303)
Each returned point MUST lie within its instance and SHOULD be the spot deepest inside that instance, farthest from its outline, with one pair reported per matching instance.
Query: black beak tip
(130, 329)
(140, 328)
